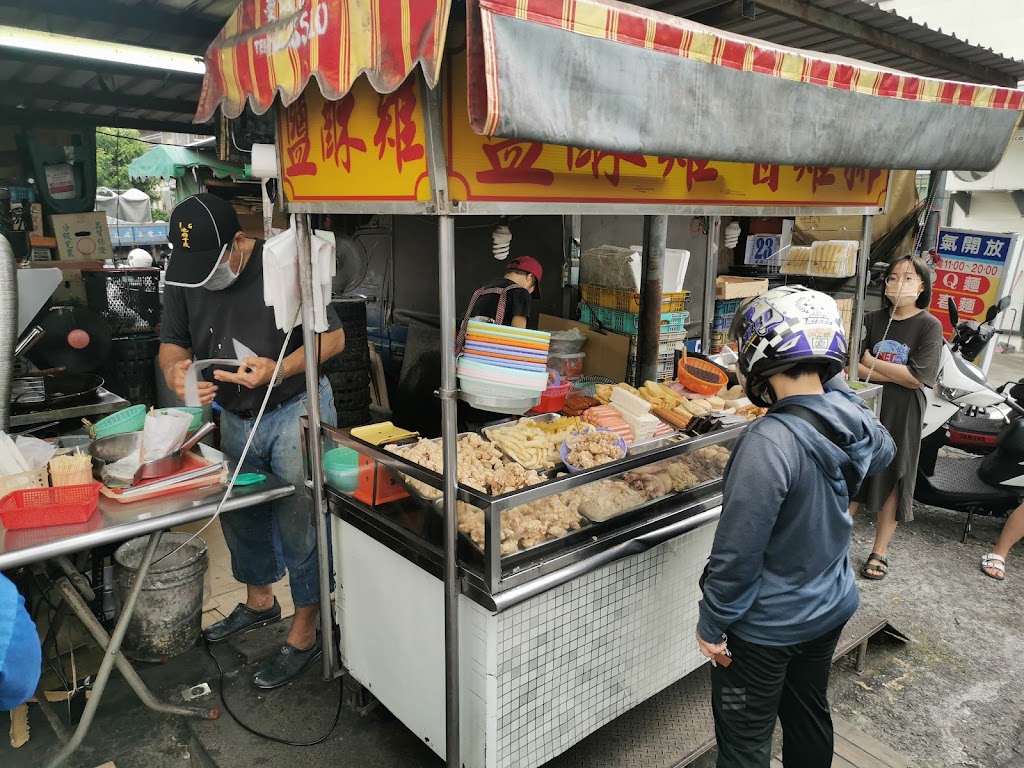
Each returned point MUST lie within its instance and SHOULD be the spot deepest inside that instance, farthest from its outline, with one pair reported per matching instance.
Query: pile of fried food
(673, 408)
(481, 466)
(530, 524)
(592, 449)
(606, 499)
(534, 444)
(524, 526)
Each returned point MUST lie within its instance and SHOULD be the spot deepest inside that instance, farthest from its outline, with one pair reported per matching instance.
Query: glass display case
(552, 526)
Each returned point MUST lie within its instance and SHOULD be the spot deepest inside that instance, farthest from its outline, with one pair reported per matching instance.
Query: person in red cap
(505, 301)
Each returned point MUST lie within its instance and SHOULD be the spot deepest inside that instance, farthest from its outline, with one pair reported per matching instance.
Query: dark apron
(460, 340)
(470, 418)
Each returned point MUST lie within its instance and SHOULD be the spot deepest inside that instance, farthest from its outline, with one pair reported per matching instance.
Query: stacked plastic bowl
(499, 362)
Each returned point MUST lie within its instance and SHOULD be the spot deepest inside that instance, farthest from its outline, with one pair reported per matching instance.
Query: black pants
(763, 682)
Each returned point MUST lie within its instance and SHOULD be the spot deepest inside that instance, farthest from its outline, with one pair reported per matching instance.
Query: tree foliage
(115, 150)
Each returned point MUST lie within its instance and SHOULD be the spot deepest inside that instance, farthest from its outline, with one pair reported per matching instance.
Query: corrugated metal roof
(46, 89)
(886, 38)
(41, 89)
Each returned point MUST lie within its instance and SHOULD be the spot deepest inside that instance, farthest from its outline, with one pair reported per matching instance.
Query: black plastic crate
(129, 299)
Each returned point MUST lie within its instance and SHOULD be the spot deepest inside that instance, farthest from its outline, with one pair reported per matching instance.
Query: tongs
(172, 462)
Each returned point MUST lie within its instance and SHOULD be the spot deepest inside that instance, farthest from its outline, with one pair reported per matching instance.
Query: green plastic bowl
(131, 419)
(195, 413)
(341, 469)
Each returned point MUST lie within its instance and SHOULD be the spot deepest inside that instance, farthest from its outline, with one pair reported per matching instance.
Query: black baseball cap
(201, 228)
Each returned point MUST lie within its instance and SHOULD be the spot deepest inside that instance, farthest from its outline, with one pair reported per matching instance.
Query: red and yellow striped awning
(613, 76)
(271, 47)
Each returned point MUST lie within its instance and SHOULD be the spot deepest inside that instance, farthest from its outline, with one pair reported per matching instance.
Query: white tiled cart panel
(574, 658)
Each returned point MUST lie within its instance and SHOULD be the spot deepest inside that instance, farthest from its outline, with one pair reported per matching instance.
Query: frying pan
(56, 390)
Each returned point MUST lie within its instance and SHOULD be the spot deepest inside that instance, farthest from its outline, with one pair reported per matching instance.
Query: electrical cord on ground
(265, 736)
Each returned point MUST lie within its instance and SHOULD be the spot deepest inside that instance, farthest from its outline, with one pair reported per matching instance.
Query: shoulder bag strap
(812, 418)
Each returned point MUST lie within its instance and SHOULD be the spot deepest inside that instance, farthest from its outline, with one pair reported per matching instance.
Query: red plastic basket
(553, 398)
(40, 507)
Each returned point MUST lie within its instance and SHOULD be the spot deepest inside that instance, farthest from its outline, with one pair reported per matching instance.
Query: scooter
(975, 428)
(989, 485)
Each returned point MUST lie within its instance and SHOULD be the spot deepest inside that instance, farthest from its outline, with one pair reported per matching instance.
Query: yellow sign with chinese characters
(365, 146)
(370, 147)
(508, 170)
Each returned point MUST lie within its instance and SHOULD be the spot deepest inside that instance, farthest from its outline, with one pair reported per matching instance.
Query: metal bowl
(107, 450)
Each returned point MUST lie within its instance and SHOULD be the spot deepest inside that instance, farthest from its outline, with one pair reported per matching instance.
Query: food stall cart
(600, 107)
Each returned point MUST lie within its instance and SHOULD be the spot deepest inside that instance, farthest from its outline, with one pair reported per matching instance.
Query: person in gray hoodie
(779, 586)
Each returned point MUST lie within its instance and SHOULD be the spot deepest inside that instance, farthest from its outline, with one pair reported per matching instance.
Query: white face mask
(223, 277)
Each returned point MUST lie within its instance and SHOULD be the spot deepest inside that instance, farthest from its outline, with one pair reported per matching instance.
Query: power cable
(265, 736)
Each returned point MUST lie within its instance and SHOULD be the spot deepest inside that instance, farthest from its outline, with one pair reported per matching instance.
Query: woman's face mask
(223, 276)
(902, 287)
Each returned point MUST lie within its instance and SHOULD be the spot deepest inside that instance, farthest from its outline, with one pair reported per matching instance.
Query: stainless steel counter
(107, 402)
(114, 522)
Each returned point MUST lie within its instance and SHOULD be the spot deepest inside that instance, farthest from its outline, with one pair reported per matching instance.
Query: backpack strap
(812, 418)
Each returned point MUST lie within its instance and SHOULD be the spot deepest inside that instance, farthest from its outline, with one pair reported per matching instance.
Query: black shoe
(285, 665)
(242, 619)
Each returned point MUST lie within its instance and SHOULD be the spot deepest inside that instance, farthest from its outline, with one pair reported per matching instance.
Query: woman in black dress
(902, 352)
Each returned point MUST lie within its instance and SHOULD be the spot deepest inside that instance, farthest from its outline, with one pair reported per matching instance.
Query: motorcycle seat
(958, 480)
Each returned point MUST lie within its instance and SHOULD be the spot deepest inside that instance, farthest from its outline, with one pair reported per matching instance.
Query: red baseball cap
(531, 266)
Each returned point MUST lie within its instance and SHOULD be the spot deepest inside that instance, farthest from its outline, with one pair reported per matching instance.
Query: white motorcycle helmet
(138, 257)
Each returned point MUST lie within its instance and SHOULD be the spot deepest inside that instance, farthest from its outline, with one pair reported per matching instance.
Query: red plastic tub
(41, 507)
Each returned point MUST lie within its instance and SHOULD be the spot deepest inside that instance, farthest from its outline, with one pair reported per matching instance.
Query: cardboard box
(606, 352)
(82, 236)
(739, 287)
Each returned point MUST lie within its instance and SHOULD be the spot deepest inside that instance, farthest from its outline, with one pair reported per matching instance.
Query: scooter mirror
(954, 316)
(998, 307)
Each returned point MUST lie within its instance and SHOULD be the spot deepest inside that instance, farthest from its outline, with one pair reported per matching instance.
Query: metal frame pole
(438, 169)
(446, 269)
(857, 318)
(710, 273)
(113, 648)
(320, 512)
(652, 273)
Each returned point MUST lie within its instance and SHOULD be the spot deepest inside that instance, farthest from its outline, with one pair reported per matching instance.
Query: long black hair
(924, 298)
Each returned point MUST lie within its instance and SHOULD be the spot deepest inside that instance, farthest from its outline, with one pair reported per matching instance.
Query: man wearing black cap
(214, 306)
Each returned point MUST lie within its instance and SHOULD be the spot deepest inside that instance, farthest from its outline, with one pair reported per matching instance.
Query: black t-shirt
(208, 322)
(517, 302)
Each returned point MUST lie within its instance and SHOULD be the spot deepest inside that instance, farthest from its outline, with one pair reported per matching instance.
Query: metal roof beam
(158, 22)
(865, 33)
(58, 61)
(58, 119)
(16, 92)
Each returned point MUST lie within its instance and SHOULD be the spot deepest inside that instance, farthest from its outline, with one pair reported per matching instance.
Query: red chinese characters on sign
(854, 175)
(767, 174)
(697, 171)
(297, 142)
(336, 142)
(820, 177)
(396, 128)
(580, 158)
(514, 162)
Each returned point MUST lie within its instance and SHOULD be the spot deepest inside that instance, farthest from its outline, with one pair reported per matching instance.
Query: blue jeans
(267, 539)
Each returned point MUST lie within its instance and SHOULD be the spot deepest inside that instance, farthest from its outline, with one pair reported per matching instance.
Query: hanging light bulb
(732, 235)
(501, 239)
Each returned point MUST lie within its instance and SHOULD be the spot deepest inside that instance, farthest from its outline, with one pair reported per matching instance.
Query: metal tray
(543, 418)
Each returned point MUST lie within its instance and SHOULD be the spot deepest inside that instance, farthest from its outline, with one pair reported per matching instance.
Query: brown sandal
(882, 566)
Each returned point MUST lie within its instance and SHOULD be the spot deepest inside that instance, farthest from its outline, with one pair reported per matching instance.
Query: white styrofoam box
(676, 262)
